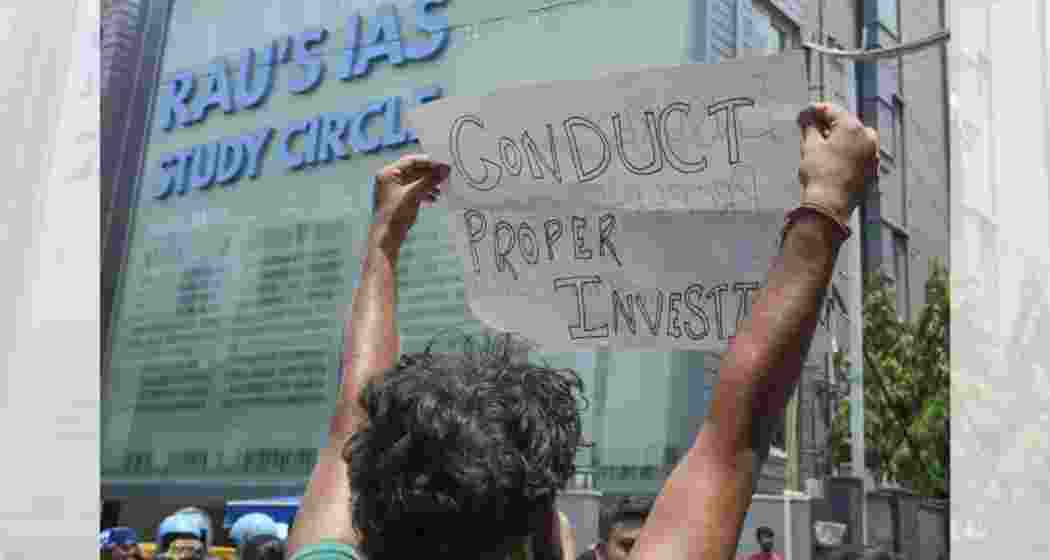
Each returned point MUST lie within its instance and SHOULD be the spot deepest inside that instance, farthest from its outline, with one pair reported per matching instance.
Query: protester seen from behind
(461, 456)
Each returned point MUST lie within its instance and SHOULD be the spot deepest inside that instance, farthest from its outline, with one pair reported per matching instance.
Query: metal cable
(874, 54)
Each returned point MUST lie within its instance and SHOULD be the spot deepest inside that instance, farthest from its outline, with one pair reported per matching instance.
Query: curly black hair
(462, 452)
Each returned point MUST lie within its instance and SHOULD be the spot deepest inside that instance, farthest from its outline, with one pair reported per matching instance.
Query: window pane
(888, 14)
(762, 29)
(723, 30)
(887, 127)
(777, 39)
(769, 37)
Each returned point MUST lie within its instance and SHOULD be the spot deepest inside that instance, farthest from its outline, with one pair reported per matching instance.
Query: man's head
(181, 538)
(120, 543)
(764, 536)
(462, 453)
(202, 519)
(621, 525)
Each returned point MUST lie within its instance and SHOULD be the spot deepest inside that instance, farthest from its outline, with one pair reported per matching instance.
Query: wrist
(386, 237)
(834, 200)
(815, 226)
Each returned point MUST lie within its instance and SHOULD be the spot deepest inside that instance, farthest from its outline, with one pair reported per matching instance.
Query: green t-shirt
(330, 550)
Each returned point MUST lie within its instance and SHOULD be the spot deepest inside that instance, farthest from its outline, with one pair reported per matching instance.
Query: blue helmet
(252, 525)
(202, 519)
(178, 526)
(117, 536)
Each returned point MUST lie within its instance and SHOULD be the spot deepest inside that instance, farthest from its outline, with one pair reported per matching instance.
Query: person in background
(203, 519)
(764, 536)
(262, 547)
(462, 456)
(180, 537)
(120, 543)
(251, 525)
(618, 529)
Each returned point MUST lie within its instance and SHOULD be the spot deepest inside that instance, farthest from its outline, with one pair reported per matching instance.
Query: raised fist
(839, 154)
(402, 186)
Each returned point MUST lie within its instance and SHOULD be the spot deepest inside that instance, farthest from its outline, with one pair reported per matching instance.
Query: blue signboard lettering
(186, 99)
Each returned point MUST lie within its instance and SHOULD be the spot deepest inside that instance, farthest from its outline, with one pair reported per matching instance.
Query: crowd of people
(189, 534)
(620, 526)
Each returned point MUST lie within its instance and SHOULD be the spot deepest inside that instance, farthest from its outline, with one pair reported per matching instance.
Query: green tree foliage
(906, 388)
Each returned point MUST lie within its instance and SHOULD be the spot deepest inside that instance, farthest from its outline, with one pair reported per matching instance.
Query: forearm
(703, 504)
(766, 358)
(370, 334)
(370, 346)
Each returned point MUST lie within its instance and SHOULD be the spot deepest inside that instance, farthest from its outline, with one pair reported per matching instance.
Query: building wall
(1000, 213)
(905, 99)
(925, 139)
(37, 78)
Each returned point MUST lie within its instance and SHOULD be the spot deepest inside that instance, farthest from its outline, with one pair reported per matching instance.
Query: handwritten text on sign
(635, 211)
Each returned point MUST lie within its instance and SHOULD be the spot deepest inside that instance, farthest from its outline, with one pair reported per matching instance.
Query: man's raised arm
(703, 504)
(371, 343)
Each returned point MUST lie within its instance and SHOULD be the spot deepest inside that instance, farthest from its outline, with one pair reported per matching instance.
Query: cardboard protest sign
(636, 210)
